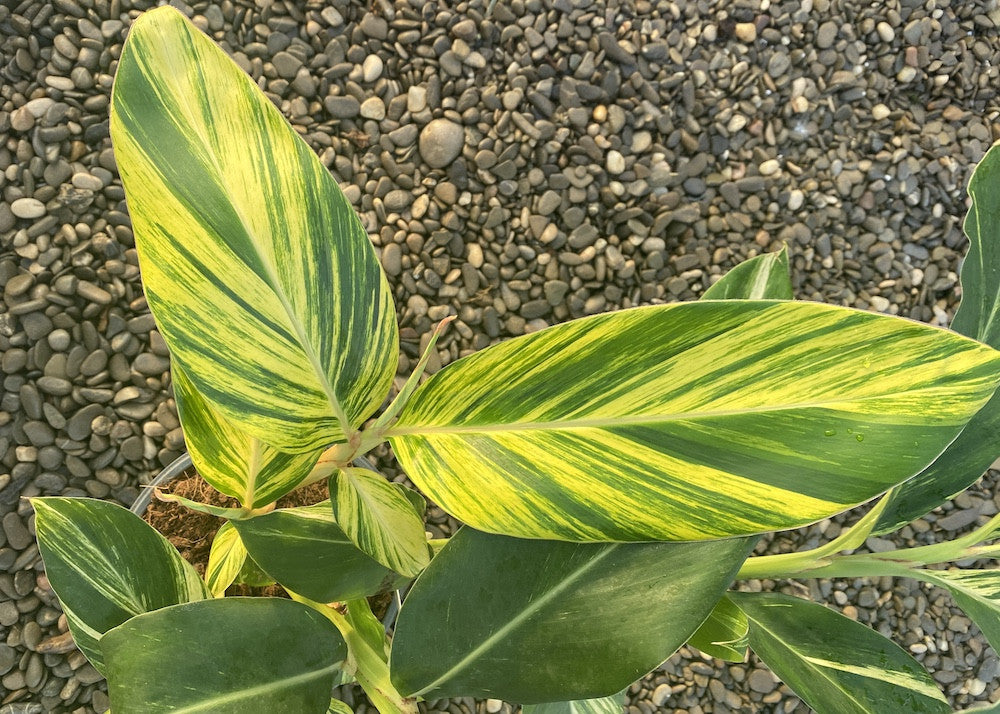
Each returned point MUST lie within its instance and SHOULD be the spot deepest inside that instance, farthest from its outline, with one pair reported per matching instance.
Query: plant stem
(364, 663)
(826, 562)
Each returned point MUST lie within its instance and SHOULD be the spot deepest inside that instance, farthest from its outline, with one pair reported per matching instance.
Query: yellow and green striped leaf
(604, 705)
(725, 634)
(306, 551)
(591, 617)
(260, 275)
(225, 559)
(380, 519)
(836, 665)
(231, 460)
(977, 592)
(764, 277)
(691, 421)
(107, 565)
(339, 707)
(225, 656)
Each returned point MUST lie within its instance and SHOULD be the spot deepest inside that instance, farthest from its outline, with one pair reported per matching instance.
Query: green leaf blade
(305, 550)
(764, 277)
(486, 604)
(380, 519)
(833, 663)
(604, 705)
(100, 582)
(978, 314)
(725, 634)
(735, 417)
(208, 657)
(243, 237)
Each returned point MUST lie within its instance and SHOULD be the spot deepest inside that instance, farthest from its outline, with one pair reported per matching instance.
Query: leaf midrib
(212, 704)
(611, 421)
(520, 618)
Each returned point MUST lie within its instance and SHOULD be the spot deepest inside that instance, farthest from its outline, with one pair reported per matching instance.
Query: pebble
(441, 142)
(27, 208)
(372, 68)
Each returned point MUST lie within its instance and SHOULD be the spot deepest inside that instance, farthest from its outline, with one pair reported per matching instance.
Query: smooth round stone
(86, 181)
(441, 142)
(27, 208)
(615, 162)
(373, 108)
(372, 67)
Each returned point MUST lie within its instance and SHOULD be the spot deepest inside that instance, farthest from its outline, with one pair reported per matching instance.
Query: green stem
(826, 562)
(411, 383)
(364, 663)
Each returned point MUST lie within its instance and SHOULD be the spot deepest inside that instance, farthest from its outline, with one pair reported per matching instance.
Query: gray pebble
(441, 142)
(342, 107)
(27, 208)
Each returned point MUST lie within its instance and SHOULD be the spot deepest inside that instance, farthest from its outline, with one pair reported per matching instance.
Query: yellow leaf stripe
(258, 271)
(231, 460)
(691, 421)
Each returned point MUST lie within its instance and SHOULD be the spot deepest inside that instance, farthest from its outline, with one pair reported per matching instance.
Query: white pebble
(27, 208)
(416, 99)
(885, 32)
(493, 705)
(795, 199)
(372, 68)
(879, 303)
(906, 74)
(616, 162)
(769, 167)
(373, 108)
(880, 112)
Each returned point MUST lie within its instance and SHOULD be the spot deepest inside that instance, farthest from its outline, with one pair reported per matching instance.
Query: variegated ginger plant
(614, 472)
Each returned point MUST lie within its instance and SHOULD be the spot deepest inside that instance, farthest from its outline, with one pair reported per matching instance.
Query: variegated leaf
(379, 519)
(837, 665)
(305, 550)
(338, 707)
(226, 656)
(231, 460)
(977, 592)
(764, 277)
(107, 565)
(605, 705)
(690, 421)
(260, 275)
(225, 560)
(725, 633)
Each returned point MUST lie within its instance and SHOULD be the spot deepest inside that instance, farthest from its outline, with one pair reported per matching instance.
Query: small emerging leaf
(225, 656)
(339, 707)
(360, 617)
(107, 565)
(725, 634)
(305, 550)
(225, 560)
(837, 665)
(380, 519)
(764, 277)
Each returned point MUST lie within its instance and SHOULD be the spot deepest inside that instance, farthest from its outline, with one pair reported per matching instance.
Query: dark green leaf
(541, 621)
(306, 551)
(225, 656)
(837, 665)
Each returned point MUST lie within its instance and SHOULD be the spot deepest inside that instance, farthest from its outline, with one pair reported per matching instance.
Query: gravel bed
(556, 159)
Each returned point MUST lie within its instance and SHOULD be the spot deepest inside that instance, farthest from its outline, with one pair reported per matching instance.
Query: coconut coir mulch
(192, 533)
